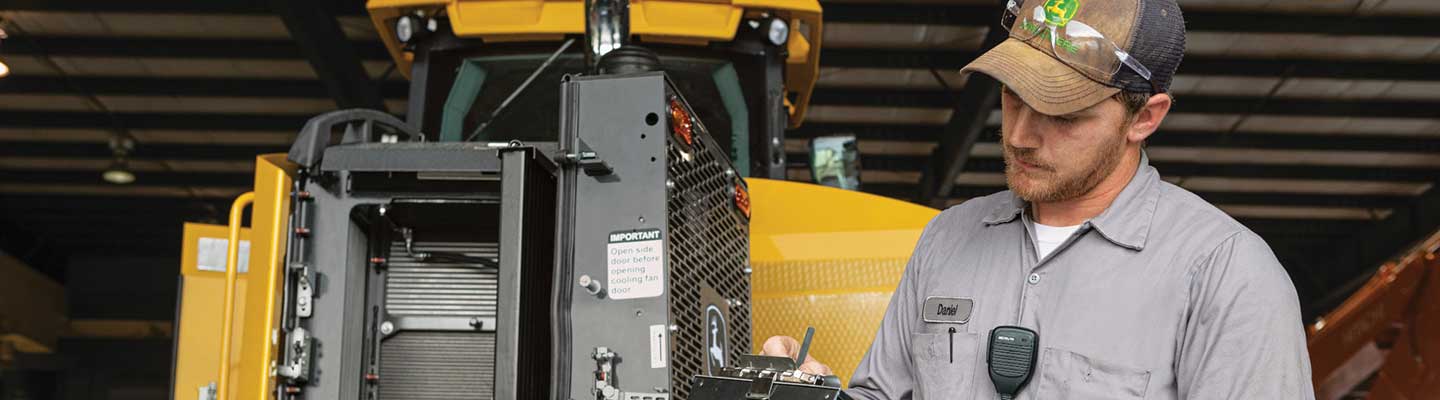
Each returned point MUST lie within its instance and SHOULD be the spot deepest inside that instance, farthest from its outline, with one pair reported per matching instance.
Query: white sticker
(211, 255)
(657, 346)
(636, 264)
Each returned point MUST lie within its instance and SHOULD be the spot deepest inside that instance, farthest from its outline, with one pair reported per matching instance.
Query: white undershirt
(1047, 238)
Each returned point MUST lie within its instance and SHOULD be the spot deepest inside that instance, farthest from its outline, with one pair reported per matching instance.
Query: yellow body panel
(827, 258)
(256, 292)
(197, 363)
(689, 22)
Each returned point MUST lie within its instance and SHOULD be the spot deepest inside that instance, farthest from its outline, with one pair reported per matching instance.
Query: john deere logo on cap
(1059, 12)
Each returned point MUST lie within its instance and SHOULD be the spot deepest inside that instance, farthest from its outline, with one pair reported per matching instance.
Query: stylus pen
(805, 346)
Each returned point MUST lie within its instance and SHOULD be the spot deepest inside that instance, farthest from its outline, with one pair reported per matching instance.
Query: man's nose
(1022, 130)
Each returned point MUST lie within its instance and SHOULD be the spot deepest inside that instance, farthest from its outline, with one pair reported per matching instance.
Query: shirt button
(1034, 279)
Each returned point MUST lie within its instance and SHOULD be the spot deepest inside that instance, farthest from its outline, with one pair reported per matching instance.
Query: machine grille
(708, 247)
(415, 288)
(438, 366)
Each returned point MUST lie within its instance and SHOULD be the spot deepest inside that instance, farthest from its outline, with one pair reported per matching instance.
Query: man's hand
(785, 346)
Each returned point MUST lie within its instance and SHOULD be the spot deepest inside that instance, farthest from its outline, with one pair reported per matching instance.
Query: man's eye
(1064, 119)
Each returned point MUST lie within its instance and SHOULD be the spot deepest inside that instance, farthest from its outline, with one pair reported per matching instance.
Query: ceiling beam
(903, 191)
(1303, 228)
(335, 59)
(337, 7)
(918, 163)
(157, 151)
(1193, 155)
(61, 46)
(142, 179)
(208, 87)
(1335, 24)
(975, 15)
(1294, 141)
(185, 121)
(1218, 66)
(60, 204)
(100, 223)
(109, 190)
(85, 213)
(1165, 137)
(830, 57)
(972, 108)
(1195, 21)
(1199, 104)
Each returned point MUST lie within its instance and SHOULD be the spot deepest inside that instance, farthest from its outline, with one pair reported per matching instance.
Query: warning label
(211, 255)
(636, 264)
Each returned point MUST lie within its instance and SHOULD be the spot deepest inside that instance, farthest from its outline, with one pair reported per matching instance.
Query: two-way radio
(1011, 357)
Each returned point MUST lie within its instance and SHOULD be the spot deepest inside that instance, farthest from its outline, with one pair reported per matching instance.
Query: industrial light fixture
(414, 27)
(119, 171)
(779, 32)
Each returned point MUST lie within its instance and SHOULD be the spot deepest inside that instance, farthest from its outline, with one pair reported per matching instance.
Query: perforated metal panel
(632, 179)
(709, 247)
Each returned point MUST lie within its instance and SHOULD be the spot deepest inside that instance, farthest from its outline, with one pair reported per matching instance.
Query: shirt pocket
(1066, 375)
(936, 375)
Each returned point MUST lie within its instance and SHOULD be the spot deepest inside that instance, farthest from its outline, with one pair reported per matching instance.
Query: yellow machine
(821, 257)
(859, 243)
(686, 23)
(230, 337)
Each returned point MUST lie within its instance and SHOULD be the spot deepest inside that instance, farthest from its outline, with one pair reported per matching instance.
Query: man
(1137, 288)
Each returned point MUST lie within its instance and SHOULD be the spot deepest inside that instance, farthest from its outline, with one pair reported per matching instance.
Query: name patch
(947, 310)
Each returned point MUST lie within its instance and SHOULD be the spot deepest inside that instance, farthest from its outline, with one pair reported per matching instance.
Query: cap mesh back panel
(1158, 43)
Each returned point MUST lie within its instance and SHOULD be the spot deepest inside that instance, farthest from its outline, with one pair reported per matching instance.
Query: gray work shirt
(1162, 296)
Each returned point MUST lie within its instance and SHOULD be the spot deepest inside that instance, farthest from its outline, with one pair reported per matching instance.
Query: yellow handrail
(232, 250)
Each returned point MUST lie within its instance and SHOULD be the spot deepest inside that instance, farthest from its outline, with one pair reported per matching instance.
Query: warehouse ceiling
(1314, 122)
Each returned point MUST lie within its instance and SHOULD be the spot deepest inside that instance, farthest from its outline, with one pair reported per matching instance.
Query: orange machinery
(1398, 309)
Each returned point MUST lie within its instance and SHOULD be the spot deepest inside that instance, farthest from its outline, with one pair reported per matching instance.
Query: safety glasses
(1073, 42)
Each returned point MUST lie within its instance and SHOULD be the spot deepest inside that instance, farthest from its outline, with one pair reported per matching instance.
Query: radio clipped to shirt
(1011, 357)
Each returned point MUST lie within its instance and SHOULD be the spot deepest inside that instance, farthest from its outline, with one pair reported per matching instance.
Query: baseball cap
(1150, 32)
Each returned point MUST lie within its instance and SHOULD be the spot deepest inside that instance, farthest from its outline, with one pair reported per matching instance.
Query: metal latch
(605, 380)
(587, 160)
(604, 374)
(298, 346)
(304, 292)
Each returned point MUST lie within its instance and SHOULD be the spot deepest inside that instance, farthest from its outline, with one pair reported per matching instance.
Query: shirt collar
(1126, 223)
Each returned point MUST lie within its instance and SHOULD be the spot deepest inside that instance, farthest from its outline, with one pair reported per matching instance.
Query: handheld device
(1011, 357)
(757, 377)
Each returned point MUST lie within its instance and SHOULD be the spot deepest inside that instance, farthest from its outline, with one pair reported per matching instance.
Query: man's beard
(1046, 184)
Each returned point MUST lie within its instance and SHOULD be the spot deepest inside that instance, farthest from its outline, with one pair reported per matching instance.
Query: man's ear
(1149, 118)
